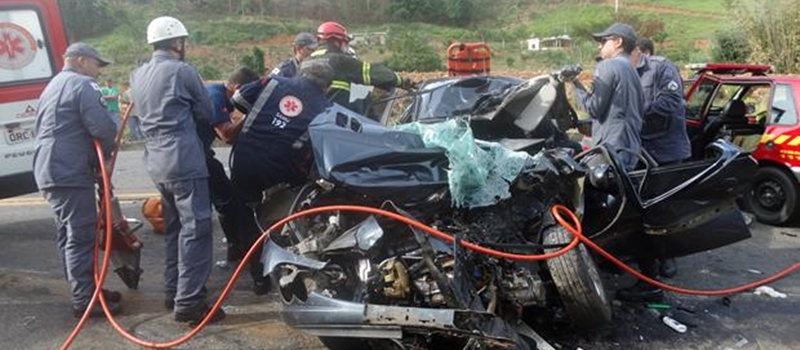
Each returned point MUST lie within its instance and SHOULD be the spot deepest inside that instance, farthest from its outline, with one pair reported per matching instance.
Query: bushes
(254, 60)
(222, 32)
(771, 31)
(730, 46)
(412, 53)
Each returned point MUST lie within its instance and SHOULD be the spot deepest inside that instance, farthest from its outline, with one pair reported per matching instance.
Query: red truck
(757, 111)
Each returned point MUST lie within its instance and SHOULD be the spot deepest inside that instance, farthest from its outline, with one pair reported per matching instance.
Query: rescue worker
(616, 101)
(171, 100)
(664, 137)
(304, 45)
(333, 45)
(664, 134)
(71, 113)
(228, 206)
(645, 46)
(268, 150)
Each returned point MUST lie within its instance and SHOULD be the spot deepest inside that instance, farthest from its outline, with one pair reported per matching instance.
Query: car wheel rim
(770, 195)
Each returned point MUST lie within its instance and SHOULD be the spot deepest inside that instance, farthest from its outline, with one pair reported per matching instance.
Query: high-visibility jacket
(347, 70)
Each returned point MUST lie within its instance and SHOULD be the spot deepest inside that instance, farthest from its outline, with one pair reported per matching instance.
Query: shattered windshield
(449, 98)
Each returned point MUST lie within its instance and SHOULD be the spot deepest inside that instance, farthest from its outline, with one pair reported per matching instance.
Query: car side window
(695, 104)
(783, 111)
(757, 101)
(724, 95)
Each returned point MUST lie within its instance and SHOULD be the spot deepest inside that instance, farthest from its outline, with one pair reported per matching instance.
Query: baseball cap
(81, 49)
(622, 30)
(306, 40)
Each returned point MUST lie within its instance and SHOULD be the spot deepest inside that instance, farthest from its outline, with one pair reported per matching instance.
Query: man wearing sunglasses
(616, 101)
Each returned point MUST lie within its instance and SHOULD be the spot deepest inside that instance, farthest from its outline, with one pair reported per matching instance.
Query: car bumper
(328, 317)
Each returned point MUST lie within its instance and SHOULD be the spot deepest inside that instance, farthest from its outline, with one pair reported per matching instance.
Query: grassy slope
(218, 43)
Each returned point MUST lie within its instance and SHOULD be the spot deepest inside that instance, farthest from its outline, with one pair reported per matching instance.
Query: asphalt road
(36, 312)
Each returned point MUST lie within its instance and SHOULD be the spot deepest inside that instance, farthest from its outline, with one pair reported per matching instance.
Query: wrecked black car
(485, 160)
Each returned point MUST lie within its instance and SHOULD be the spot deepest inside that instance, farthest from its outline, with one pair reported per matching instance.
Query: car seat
(733, 115)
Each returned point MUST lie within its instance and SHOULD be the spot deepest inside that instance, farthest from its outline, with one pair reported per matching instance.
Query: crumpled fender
(274, 255)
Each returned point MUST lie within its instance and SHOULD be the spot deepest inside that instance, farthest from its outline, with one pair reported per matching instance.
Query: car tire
(577, 282)
(772, 197)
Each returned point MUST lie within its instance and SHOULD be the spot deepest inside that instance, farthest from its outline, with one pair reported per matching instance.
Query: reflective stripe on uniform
(365, 74)
(319, 52)
(262, 100)
(341, 85)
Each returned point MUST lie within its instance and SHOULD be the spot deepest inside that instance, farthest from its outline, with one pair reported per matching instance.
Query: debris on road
(788, 234)
(674, 324)
(769, 291)
(742, 342)
(223, 264)
(754, 271)
(28, 320)
(658, 306)
(231, 309)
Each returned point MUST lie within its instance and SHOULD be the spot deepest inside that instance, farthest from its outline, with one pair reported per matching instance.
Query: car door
(778, 143)
(697, 100)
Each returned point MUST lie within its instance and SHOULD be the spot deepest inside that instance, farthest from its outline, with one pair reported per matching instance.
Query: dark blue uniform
(227, 204)
(287, 69)
(664, 126)
(264, 154)
(70, 115)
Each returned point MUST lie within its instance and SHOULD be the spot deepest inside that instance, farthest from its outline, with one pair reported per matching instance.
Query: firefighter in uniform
(171, 100)
(269, 151)
(333, 44)
(71, 113)
(304, 45)
(664, 137)
(616, 100)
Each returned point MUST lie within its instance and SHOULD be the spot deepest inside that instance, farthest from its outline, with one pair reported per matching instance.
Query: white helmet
(163, 28)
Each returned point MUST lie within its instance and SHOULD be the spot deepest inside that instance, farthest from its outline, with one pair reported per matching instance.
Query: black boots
(194, 317)
(113, 300)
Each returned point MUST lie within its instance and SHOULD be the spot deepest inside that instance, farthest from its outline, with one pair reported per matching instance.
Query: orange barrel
(468, 59)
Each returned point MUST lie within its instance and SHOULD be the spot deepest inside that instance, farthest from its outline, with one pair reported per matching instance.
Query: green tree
(729, 46)
(87, 18)
(773, 32)
(460, 12)
(254, 60)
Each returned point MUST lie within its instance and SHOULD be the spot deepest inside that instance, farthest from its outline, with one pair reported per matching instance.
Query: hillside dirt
(667, 9)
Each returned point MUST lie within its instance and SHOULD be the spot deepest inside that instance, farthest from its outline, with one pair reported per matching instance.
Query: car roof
(785, 79)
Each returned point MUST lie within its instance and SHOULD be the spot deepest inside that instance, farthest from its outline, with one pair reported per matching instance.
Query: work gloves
(408, 84)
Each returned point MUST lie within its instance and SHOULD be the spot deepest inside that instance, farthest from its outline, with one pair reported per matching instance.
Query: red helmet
(332, 30)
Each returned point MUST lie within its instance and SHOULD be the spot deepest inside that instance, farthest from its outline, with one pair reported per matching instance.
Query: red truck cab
(758, 112)
(32, 41)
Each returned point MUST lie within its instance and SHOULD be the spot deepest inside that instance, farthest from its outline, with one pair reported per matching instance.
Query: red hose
(577, 232)
(557, 211)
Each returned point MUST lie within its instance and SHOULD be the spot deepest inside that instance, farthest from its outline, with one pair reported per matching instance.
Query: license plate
(19, 135)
